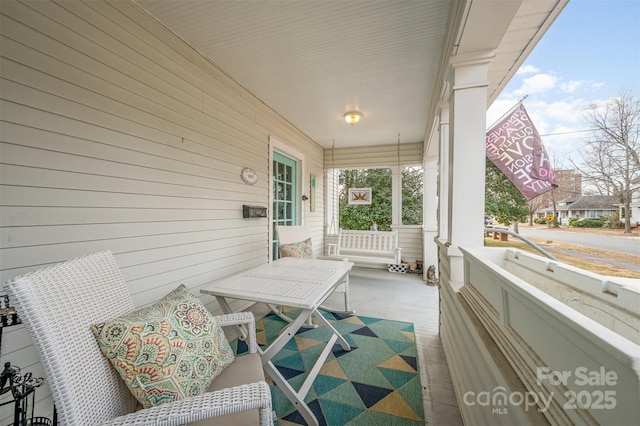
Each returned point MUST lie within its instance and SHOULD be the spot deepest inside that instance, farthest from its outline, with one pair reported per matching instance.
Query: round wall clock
(249, 176)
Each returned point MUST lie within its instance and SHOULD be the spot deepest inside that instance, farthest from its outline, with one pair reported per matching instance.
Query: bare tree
(569, 186)
(611, 160)
(538, 203)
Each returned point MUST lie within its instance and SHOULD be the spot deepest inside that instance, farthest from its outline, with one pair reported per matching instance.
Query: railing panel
(578, 370)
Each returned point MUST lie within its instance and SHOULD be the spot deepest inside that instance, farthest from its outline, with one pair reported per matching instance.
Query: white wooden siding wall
(373, 156)
(117, 135)
(410, 242)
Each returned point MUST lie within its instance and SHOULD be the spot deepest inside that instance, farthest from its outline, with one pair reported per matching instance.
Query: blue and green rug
(376, 383)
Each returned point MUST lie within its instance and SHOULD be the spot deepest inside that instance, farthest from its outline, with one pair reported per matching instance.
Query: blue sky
(590, 54)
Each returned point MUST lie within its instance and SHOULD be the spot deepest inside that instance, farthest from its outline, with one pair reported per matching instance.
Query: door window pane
(284, 199)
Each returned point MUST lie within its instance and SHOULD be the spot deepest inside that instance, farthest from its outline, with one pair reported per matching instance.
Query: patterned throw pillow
(301, 249)
(168, 351)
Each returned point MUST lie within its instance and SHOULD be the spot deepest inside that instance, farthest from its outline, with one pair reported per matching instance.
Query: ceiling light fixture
(352, 117)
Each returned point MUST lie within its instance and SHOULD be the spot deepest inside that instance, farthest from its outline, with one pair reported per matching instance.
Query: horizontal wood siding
(410, 242)
(373, 156)
(117, 135)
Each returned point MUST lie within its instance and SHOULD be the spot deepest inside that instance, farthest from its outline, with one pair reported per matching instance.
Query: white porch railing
(530, 340)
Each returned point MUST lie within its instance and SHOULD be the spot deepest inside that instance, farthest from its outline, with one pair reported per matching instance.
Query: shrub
(573, 221)
(589, 223)
(540, 220)
(613, 221)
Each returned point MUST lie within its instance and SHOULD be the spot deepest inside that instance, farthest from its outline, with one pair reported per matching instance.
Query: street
(626, 245)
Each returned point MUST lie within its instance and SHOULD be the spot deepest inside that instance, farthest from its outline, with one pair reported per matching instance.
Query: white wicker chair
(299, 233)
(58, 304)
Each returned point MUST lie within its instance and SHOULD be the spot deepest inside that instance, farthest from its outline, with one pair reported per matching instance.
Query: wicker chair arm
(242, 318)
(211, 404)
(235, 318)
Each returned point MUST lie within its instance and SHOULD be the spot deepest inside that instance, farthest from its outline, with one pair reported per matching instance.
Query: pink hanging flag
(515, 147)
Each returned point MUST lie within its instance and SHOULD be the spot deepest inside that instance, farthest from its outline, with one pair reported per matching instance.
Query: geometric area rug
(376, 383)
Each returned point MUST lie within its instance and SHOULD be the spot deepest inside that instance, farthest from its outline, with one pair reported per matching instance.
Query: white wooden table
(295, 282)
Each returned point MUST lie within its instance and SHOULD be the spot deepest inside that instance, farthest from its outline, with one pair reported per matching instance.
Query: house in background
(572, 204)
(585, 207)
(634, 205)
(569, 188)
(126, 126)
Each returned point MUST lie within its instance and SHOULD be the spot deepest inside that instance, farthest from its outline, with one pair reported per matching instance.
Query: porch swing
(369, 246)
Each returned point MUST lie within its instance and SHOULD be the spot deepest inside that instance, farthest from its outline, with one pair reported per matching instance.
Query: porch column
(430, 204)
(443, 191)
(467, 149)
(396, 193)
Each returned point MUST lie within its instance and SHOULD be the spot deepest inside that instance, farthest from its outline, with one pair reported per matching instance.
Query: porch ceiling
(311, 61)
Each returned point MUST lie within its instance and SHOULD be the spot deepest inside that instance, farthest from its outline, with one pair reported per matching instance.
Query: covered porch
(123, 130)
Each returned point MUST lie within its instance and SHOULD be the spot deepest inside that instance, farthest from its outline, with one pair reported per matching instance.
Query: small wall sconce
(305, 198)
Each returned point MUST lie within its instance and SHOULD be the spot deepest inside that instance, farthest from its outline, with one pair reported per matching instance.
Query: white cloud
(567, 112)
(586, 86)
(527, 69)
(572, 86)
(561, 125)
(498, 108)
(594, 87)
(539, 83)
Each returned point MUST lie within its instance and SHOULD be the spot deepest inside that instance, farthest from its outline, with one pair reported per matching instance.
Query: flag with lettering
(515, 147)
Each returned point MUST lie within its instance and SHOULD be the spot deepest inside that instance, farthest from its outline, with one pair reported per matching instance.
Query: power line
(578, 131)
(569, 133)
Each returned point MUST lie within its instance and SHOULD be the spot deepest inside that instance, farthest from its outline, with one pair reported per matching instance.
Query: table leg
(285, 336)
(224, 305)
(291, 394)
(323, 322)
(296, 397)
